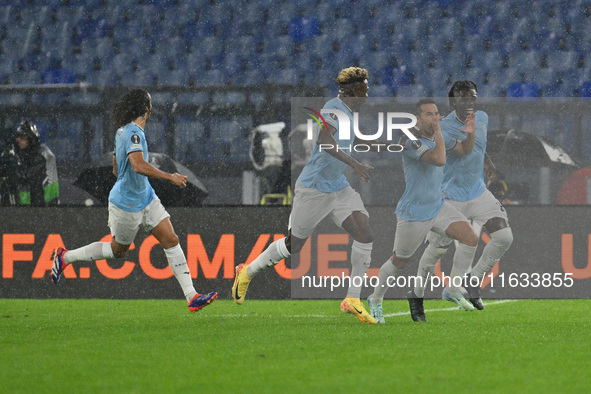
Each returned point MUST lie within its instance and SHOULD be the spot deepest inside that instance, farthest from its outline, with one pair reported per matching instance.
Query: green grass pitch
(291, 346)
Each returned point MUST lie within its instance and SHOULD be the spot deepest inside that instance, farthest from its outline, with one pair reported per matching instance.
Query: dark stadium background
(218, 68)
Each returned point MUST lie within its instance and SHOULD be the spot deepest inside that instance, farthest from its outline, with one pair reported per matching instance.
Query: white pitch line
(334, 316)
(273, 316)
(446, 309)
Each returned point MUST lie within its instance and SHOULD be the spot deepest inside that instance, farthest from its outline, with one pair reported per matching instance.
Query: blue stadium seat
(374, 61)
(288, 76)
(248, 78)
(525, 60)
(71, 14)
(491, 60)
(585, 89)
(491, 89)
(138, 78)
(322, 77)
(283, 46)
(253, 12)
(356, 45)
(416, 90)
(171, 48)
(322, 45)
(301, 28)
(212, 77)
(381, 91)
(101, 78)
(173, 78)
(229, 98)
(25, 78)
(563, 60)
(450, 28)
(523, 89)
(544, 77)
(189, 140)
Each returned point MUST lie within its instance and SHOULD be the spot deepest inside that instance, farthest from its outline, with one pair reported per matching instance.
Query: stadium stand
(411, 49)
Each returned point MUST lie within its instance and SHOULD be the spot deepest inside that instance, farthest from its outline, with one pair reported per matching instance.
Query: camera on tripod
(8, 167)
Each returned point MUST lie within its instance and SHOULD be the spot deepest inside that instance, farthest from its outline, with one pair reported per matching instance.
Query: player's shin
(496, 248)
(463, 258)
(90, 252)
(427, 264)
(387, 272)
(360, 261)
(178, 264)
(276, 252)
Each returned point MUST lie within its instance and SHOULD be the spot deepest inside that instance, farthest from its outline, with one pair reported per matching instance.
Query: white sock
(276, 252)
(427, 265)
(463, 258)
(360, 261)
(496, 248)
(388, 270)
(90, 252)
(178, 263)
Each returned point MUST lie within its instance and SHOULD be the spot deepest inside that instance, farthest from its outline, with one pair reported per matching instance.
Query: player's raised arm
(144, 168)
(436, 156)
(467, 145)
(428, 124)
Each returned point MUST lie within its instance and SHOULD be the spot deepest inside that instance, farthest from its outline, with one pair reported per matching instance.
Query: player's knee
(364, 238)
(119, 253)
(503, 237)
(398, 262)
(294, 245)
(169, 241)
(472, 240)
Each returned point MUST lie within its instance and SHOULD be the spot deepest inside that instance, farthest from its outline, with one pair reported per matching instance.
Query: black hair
(130, 106)
(458, 86)
(422, 102)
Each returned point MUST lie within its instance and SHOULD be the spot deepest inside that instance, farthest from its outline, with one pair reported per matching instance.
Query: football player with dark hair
(465, 189)
(133, 203)
(421, 209)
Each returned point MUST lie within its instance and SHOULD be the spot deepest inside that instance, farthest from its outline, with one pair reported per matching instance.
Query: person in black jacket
(30, 172)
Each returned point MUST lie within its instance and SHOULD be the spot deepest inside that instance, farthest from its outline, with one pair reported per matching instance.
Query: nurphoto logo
(344, 128)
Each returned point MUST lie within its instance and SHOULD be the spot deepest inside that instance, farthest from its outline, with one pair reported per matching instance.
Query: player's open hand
(470, 123)
(179, 180)
(363, 170)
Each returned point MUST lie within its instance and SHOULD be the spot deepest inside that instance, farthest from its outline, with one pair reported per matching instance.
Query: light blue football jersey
(422, 199)
(463, 175)
(132, 192)
(323, 171)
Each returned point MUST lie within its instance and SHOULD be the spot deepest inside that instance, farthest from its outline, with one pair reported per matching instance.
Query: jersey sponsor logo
(135, 139)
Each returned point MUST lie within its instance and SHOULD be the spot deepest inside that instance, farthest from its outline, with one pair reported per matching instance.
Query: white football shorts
(410, 235)
(310, 206)
(125, 225)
